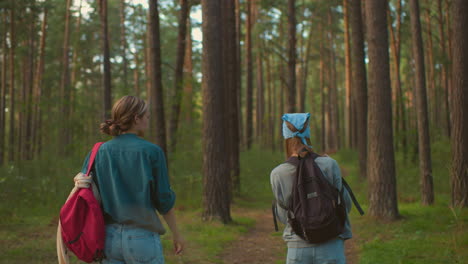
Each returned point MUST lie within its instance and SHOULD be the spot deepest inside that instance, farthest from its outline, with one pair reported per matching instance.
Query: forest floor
(261, 244)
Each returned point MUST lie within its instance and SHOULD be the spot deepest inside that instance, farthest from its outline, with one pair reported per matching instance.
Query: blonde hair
(124, 112)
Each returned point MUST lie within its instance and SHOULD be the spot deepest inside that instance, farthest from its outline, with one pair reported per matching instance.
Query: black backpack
(316, 209)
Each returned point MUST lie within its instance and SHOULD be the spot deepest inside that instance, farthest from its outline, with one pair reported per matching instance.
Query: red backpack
(82, 221)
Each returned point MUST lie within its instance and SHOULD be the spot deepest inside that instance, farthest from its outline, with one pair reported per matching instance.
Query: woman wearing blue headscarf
(296, 133)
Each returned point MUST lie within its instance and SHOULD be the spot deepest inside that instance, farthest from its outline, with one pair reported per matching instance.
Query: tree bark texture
(106, 80)
(11, 109)
(381, 160)
(3, 87)
(216, 180)
(444, 66)
(65, 83)
(291, 94)
(123, 44)
(359, 80)
(249, 62)
(158, 125)
(231, 79)
(424, 143)
(37, 112)
(187, 101)
(459, 104)
(179, 73)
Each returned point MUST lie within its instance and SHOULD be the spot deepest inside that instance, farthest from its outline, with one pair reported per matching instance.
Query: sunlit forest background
(385, 83)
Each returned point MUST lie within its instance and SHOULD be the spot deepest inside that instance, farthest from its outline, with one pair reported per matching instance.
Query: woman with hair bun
(131, 175)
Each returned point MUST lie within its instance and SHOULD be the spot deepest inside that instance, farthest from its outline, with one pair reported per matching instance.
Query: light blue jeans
(131, 245)
(330, 252)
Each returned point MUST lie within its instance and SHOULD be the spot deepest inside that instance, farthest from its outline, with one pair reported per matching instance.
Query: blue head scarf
(298, 120)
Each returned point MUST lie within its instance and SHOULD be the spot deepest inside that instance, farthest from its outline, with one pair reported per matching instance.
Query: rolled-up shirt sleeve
(84, 168)
(165, 196)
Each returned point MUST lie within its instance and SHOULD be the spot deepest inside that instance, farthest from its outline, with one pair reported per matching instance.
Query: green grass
(32, 193)
(424, 234)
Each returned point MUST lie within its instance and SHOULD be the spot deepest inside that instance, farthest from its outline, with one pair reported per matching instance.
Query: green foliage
(424, 234)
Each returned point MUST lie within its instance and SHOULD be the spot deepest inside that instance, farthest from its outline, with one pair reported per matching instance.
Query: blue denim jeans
(330, 252)
(131, 245)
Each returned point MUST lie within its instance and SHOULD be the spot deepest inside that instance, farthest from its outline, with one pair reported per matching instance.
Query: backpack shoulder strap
(93, 156)
(353, 198)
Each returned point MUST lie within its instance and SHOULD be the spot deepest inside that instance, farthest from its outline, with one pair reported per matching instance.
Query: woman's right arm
(166, 200)
(170, 219)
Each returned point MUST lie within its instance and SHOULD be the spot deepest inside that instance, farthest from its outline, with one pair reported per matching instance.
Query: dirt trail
(261, 246)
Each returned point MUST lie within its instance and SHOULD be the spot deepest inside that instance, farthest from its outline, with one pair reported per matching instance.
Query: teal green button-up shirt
(132, 177)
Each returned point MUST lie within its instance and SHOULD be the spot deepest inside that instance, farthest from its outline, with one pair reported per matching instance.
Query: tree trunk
(27, 135)
(216, 194)
(239, 71)
(434, 113)
(424, 143)
(445, 83)
(348, 75)
(249, 92)
(75, 68)
(123, 45)
(158, 126)
(322, 91)
(399, 112)
(333, 93)
(65, 84)
(459, 104)
(179, 72)
(187, 103)
(11, 109)
(291, 94)
(359, 82)
(3, 92)
(260, 97)
(230, 78)
(381, 159)
(37, 112)
(106, 60)
(136, 75)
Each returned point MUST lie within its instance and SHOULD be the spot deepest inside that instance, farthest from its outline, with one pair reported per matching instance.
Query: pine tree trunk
(11, 109)
(459, 104)
(123, 45)
(230, 77)
(187, 103)
(399, 112)
(65, 84)
(322, 91)
(291, 94)
(348, 75)
(444, 65)
(158, 126)
(381, 160)
(37, 112)
(239, 70)
(75, 69)
(3, 93)
(216, 180)
(249, 92)
(431, 79)
(260, 97)
(136, 75)
(334, 142)
(424, 143)
(27, 148)
(359, 82)
(179, 73)
(106, 60)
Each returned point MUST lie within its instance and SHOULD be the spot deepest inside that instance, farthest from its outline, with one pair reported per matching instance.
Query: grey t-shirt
(281, 179)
